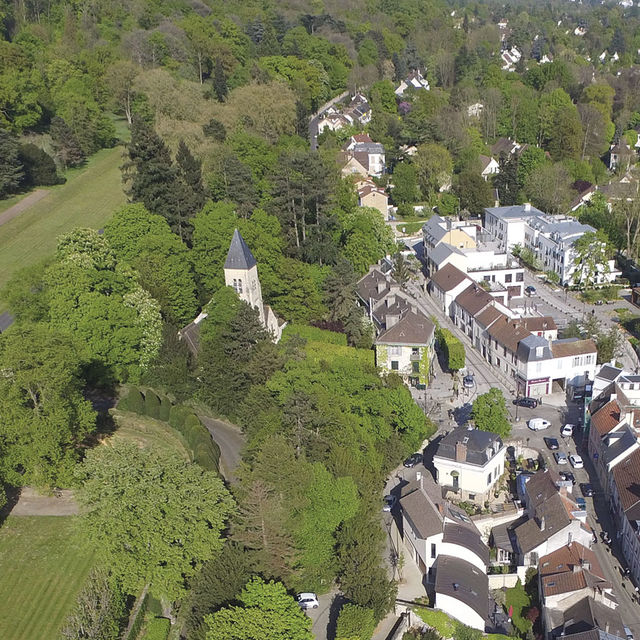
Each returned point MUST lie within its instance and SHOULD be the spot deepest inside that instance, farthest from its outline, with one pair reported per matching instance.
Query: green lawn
(43, 566)
(87, 199)
(148, 432)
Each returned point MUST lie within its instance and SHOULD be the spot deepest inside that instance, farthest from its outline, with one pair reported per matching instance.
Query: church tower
(241, 273)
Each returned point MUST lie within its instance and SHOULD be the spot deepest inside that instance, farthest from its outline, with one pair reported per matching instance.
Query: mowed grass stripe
(43, 565)
(88, 199)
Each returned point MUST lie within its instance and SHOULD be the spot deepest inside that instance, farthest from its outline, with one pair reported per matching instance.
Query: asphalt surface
(231, 442)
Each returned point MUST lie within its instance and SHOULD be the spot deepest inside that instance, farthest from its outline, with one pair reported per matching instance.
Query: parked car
(308, 601)
(468, 382)
(576, 461)
(529, 403)
(598, 302)
(567, 431)
(538, 424)
(587, 489)
(561, 458)
(552, 443)
(412, 460)
(530, 290)
(582, 503)
(567, 475)
(388, 503)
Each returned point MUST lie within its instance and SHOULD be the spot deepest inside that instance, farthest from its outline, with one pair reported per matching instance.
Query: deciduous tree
(489, 413)
(154, 517)
(11, 170)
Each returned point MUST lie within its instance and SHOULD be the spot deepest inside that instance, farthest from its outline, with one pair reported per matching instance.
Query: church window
(237, 285)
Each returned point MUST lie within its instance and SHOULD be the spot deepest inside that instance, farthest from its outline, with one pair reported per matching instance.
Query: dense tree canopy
(154, 517)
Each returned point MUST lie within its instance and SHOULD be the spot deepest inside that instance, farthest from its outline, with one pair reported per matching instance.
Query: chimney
(576, 568)
(606, 627)
(542, 523)
(390, 300)
(419, 477)
(391, 320)
(527, 206)
(381, 286)
(461, 452)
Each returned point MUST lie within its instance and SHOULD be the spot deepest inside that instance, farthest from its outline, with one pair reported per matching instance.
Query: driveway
(231, 442)
(23, 205)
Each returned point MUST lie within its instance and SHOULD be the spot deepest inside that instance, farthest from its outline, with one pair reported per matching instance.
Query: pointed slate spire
(239, 256)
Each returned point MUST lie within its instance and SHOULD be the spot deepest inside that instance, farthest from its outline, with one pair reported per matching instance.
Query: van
(537, 424)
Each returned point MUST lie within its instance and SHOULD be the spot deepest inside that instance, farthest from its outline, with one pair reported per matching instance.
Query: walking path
(23, 205)
(32, 503)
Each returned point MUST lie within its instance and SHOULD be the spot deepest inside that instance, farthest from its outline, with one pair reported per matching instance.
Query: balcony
(415, 357)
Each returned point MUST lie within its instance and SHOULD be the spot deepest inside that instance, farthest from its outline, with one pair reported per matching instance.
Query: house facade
(367, 153)
(469, 463)
(370, 195)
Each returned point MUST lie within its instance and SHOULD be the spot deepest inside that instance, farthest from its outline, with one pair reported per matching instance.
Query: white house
(489, 167)
(446, 284)
(475, 110)
(414, 80)
(369, 154)
(550, 238)
(469, 462)
(510, 58)
(448, 549)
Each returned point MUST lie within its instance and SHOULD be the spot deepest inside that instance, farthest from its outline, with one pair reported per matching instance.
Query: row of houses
(526, 349)
(614, 448)
(336, 117)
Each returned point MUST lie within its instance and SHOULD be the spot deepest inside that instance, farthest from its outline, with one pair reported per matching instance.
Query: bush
(355, 623)
(314, 334)
(152, 405)
(165, 409)
(158, 629)
(139, 617)
(39, 167)
(133, 401)
(453, 350)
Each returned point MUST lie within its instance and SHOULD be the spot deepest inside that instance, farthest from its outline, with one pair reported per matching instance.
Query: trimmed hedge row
(134, 629)
(453, 350)
(204, 449)
(314, 334)
(157, 629)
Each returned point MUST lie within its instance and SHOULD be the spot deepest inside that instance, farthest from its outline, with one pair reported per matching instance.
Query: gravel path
(23, 205)
(32, 503)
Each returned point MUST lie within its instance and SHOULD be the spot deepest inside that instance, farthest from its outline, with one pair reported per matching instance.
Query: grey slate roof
(467, 537)
(412, 329)
(420, 507)
(513, 211)
(618, 445)
(588, 614)
(442, 251)
(477, 442)
(459, 579)
(527, 349)
(607, 372)
(239, 255)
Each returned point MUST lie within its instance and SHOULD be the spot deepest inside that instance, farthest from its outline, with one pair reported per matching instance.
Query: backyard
(43, 566)
(87, 199)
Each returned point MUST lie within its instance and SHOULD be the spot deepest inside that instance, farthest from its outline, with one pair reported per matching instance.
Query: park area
(43, 566)
(88, 199)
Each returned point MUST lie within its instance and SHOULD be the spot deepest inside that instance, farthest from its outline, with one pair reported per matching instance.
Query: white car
(560, 457)
(308, 600)
(538, 424)
(576, 461)
(566, 431)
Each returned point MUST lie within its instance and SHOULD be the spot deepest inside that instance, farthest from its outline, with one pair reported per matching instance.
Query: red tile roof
(606, 418)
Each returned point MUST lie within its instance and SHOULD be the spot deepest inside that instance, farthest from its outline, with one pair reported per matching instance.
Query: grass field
(43, 566)
(148, 432)
(87, 199)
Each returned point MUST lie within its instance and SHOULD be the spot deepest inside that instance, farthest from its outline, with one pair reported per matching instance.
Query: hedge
(157, 629)
(138, 616)
(165, 409)
(453, 350)
(152, 405)
(204, 450)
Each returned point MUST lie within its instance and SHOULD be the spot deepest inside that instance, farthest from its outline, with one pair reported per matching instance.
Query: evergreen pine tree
(220, 81)
(68, 151)
(11, 170)
(190, 172)
(39, 167)
(152, 176)
(506, 181)
(302, 120)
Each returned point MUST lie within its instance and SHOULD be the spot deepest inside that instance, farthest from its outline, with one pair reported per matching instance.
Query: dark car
(551, 443)
(468, 382)
(530, 403)
(412, 460)
(567, 475)
(530, 290)
(587, 489)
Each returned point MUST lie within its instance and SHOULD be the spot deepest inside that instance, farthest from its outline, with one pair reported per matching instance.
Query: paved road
(231, 442)
(23, 205)
(315, 118)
